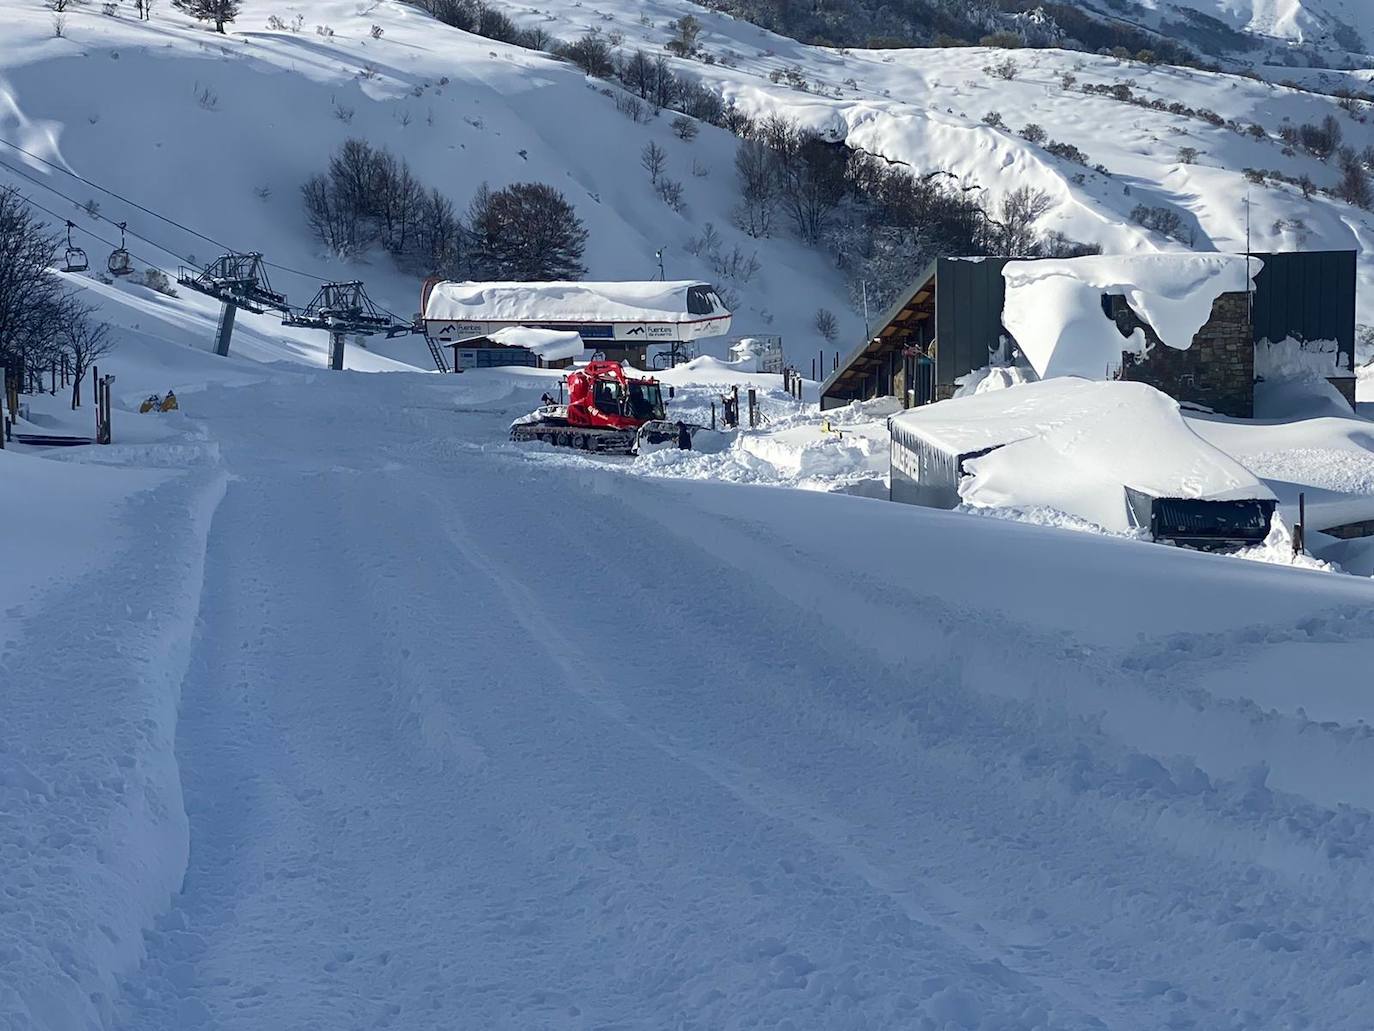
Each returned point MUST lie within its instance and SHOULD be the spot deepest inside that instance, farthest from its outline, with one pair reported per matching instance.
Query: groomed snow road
(477, 736)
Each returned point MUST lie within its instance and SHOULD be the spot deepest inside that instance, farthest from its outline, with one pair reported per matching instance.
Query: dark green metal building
(949, 323)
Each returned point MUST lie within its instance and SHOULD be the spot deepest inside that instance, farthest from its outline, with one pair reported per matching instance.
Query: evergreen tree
(526, 233)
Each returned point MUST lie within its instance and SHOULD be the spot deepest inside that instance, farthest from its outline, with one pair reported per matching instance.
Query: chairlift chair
(75, 258)
(120, 264)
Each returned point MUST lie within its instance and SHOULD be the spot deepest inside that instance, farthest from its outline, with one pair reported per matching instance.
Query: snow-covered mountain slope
(219, 133)
(1323, 22)
(926, 108)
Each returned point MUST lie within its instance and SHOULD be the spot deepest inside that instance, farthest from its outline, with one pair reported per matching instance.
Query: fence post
(713, 415)
(1300, 531)
(753, 409)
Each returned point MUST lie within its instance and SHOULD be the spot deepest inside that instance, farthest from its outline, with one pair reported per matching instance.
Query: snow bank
(550, 344)
(560, 301)
(807, 452)
(93, 836)
(992, 377)
(1054, 307)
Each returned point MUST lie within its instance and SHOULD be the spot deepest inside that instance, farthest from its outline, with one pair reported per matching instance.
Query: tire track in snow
(750, 787)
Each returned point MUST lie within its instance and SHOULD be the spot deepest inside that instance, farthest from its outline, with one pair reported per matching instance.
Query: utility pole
(1249, 281)
(866, 329)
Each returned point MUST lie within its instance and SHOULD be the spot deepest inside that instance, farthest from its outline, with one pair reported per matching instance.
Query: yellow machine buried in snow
(160, 404)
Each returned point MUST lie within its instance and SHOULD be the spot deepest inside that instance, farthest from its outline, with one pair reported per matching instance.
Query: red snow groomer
(607, 411)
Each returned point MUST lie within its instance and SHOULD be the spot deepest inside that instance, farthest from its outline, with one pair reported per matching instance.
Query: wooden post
(753, 409)
(52, 381)
(713, 415)
(813, 368)
(820, 362)
(1300, 531)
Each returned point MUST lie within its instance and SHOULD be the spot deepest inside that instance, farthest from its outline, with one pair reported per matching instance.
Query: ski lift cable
(110, 243)
(94, 236)
(112, 193)
(95, 217)
(148, 211)
(102, 218)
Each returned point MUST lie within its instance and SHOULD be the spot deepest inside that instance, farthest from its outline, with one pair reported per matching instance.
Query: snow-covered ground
(159, 111)
(328, 706)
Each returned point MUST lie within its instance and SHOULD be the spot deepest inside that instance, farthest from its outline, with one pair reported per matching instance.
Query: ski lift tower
(236, 281)
(344, 309)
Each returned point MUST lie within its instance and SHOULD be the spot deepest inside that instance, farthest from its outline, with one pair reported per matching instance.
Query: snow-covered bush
(671, 193)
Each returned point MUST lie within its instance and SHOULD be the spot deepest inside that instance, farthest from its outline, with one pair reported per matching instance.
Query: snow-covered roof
(565, 301)
(1053, 306)
(550, 344)
(1125, 434)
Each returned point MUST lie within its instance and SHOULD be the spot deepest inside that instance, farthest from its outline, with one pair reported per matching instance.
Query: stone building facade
(1216, 373)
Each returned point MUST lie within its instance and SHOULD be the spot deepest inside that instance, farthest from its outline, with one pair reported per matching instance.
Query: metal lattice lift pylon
(236, 281)
(344, 309)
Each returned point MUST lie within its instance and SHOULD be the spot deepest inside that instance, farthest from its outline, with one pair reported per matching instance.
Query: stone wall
(1217, 372)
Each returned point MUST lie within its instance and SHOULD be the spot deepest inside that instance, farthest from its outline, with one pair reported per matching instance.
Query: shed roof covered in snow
(573, 301)
(552, 345)
(1123, 434)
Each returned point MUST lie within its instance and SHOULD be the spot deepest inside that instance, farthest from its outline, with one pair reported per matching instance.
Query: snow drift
(1054, 307)
(1075, 446)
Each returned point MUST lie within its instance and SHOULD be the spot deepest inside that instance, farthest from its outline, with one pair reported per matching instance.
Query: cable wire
(145, 210)
(94, 236)
(138, 236)
(94, 216)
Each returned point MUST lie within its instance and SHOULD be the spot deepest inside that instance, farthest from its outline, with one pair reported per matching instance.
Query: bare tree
(591, 53)
(685, 32)
(438, 242)
(1353, 187)
(221, 12)
(652, 159)
(83, 341)
(665, 85)
(758, 189)
(826, 324)
(637, 74)
(1015, 232)
(30, 292)
(684, 128)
